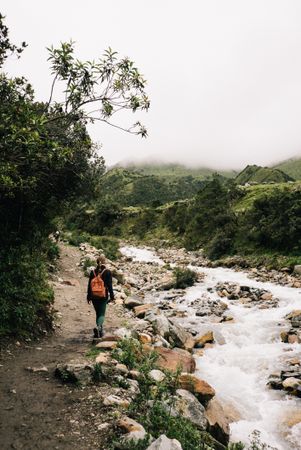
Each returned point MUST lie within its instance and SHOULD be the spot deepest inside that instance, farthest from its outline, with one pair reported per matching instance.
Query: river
(239, 367)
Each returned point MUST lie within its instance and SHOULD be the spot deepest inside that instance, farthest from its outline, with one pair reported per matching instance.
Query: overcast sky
(224, 76)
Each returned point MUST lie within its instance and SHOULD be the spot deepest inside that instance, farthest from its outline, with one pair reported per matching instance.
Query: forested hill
(175, 170)
(134, 188)
(291, 167)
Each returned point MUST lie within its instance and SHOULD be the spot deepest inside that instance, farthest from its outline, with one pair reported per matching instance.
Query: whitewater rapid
(239, 367)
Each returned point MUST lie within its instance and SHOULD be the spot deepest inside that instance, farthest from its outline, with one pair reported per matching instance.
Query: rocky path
(37, 412)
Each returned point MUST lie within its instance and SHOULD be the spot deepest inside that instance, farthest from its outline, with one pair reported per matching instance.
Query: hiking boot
(96, 333)
(100, 331)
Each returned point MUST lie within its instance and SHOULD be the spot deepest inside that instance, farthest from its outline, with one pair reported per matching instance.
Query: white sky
(224, 76)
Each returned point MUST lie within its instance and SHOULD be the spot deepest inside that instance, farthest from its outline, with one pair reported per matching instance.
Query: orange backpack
(97, 285)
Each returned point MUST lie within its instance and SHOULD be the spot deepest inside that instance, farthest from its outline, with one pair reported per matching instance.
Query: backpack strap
(103, 272)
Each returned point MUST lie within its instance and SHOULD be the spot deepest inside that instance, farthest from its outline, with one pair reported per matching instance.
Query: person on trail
(99, 290)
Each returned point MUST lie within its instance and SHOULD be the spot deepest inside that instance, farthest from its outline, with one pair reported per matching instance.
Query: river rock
(160, 324)
(132, 302)
(140, 325)
(291, 383)
(179, 337)
(144, 338)
(163, 443)
(295, 318)
(200, 341)
(140, 311)
(173, 359)
(186, 405)
(200, 388)
(218, 421)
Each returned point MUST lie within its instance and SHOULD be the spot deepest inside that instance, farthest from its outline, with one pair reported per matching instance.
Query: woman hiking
(99, 289)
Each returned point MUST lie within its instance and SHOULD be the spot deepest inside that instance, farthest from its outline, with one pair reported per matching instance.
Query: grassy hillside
(259, 191)
(176, 170)
(291, 167)
(257, 174)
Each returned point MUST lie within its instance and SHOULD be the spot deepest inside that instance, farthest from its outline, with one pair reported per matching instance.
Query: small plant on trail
(184, 278)
(97, 374)
(93, 352)
(131, 353)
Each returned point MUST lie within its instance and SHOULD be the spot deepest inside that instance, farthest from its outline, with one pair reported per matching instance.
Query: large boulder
(186, 405)
(173, 359)
(218, 421)
(159, 322)
(75, 371)
(200, 388)
(132, 302)
(163, 443)
(180, 337)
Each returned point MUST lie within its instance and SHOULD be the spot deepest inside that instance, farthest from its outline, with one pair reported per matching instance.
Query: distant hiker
(99, 289)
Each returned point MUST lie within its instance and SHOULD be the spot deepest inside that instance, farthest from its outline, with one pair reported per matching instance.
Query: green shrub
(130, 352)
(108, 245)
(184, 278)
(25, 296)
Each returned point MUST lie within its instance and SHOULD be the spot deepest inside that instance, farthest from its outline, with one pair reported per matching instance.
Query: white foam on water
(240, 368)
(141, 255)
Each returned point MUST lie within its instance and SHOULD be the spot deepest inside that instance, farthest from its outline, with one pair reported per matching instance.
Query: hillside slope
(133, 188)
(175, 170)
(291, 167)
(258, 174)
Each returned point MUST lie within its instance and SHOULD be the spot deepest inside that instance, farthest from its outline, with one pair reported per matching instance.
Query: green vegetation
(109, 246)
(167, 170)
(132, 188)
(151, 407)
(257, 174)
(291, 167)
(47, 160)
(184, 278)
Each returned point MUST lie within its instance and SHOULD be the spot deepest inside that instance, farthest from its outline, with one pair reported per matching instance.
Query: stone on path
(107, 345)
(163, 443)
(134, 430)
(114, 400)
(75, 371)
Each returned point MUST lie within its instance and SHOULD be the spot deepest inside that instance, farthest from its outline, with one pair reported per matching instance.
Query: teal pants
(100, 306)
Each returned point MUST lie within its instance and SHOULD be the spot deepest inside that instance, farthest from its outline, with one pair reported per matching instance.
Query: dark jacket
(107, 279)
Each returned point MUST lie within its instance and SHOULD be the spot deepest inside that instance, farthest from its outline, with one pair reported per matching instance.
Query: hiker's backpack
(98, 288)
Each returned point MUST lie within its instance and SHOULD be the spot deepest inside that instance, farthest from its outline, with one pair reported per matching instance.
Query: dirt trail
(36, 411)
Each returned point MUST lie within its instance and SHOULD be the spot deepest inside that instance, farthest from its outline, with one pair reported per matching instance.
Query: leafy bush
(25, 296)
(108, 245)
(184, 278)
(130, 352)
